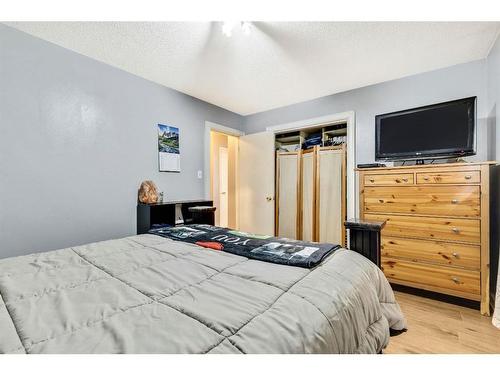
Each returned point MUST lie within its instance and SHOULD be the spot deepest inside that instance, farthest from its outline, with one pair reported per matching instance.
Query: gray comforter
(148, 294)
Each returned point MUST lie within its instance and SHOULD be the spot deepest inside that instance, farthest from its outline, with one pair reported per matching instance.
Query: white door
(223, 176)
(256, 183)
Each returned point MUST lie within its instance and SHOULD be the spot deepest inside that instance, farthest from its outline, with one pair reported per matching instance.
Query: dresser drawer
(430, 228)
(389, 179)
(424, 200)
(439, 278)
(473, 177)
(445, 253)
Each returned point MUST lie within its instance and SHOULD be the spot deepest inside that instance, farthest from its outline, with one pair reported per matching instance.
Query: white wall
(218, 140)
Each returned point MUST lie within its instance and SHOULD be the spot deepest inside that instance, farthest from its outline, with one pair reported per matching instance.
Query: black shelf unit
(149, 214)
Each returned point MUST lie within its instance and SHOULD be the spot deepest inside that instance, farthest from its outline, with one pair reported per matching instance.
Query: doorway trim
(223, 214)
(209, 126)
(350, 118)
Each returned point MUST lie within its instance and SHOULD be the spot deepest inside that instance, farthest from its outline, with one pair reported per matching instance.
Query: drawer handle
(468, 177)
(405, 180)
(372, 180)
(455, 230)
(455, 255)
(455, 279)
(454, 201)
(426, 178)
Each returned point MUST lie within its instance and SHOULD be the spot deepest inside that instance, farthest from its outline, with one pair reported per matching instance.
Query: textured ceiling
(278, 63)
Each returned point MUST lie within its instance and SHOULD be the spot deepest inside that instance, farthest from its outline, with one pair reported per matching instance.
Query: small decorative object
(160, 197)
(169, 156)
(148, 192)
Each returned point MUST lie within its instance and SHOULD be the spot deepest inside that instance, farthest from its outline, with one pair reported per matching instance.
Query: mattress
(149, 294)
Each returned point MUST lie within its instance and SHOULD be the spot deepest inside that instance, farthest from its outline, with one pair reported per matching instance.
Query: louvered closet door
(329, 196)
(308, 177)
(288, 174)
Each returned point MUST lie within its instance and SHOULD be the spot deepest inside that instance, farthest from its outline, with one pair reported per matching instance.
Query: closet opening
(311, 183)
(223, 177)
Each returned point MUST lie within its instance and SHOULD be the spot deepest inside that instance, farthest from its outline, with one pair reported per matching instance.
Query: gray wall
(440, 85)
(76, 139)
(77, 136)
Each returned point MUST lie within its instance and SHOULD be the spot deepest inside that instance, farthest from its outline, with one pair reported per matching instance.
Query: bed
(149, 294)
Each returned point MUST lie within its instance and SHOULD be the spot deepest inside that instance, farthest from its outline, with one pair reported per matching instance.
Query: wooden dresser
(437, 232)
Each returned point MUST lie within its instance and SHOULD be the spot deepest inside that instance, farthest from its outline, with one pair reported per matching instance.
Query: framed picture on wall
(169, 156)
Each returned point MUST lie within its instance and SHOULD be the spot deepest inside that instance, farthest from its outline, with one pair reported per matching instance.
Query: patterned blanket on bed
(260, 247)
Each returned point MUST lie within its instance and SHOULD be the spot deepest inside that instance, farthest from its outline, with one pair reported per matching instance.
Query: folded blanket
(253, 246)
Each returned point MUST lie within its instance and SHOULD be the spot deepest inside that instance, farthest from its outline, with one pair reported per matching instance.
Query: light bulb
(245, 27)
(227, 28)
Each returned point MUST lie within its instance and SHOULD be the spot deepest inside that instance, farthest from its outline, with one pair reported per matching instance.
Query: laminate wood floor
(440, 327)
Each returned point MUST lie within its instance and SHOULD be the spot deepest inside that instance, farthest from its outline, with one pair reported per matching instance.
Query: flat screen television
(443, 130)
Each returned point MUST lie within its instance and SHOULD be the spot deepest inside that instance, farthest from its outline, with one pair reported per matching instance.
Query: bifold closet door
(330, 208)
(307, 195)
(288, 178)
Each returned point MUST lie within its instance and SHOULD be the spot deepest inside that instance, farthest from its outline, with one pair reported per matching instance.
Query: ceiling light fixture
(245, 27)
(227, 27)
